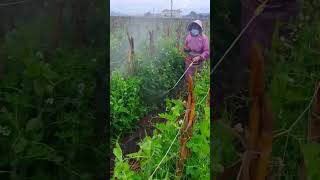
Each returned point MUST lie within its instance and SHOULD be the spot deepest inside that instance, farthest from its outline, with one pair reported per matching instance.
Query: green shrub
(47, 116)
(126, 105)
(159, 73)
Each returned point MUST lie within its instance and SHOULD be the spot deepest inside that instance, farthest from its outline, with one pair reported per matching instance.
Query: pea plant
(126, 105)
(155, 160)
(45, 119)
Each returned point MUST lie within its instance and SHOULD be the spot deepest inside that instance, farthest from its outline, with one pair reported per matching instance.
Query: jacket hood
(198, 22)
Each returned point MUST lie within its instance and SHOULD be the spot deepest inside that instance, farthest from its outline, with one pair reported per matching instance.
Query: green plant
(292, 80)
(198, 166)
(291, 75)
(126, 105)
(159, 73)
(311, 153)
(152, 149)
(47, 116)
(155, 149)
(122, 168)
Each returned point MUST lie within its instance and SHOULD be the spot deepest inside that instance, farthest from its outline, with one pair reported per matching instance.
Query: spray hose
(183, 55)
(187, 58)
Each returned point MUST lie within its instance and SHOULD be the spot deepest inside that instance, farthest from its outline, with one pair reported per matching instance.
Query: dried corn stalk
(186, 130)
(260, 123)
(208, 98)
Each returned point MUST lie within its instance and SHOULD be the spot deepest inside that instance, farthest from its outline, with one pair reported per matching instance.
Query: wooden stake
(151, 43)
(78, 19)
(58, 23)
(130, 53)
(178, 36)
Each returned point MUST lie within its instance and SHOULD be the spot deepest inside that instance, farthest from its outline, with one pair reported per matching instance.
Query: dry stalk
(186, 130)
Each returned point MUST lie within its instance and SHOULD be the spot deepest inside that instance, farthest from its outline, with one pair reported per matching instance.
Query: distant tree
(192, 13)
(148, 14)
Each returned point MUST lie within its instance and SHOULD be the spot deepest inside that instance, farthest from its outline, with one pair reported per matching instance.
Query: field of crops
(146, 64)
(48, 120)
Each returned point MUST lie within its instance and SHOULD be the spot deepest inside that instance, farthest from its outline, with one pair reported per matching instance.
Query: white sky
(142, 6)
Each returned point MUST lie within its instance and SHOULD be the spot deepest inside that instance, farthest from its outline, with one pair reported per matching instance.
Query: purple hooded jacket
(199, 44)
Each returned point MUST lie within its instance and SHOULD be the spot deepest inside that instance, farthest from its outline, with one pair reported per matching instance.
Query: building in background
(175, 13)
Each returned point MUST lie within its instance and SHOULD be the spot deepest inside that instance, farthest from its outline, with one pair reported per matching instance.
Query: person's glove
(196, 59)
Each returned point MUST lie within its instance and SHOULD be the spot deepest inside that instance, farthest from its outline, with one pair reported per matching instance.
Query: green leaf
(20, 145)
(33, 69)
(38, 88)
(34, 124)
(118, 152)
(146, 145)
(311, 154)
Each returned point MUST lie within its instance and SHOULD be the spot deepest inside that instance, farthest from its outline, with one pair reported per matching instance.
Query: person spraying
(197, 46)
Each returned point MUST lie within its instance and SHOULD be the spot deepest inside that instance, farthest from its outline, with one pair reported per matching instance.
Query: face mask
(194, 32)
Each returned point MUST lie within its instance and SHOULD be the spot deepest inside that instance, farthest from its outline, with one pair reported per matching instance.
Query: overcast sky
(141, 6)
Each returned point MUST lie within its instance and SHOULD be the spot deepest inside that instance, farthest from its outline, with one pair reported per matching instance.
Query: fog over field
(139, 7)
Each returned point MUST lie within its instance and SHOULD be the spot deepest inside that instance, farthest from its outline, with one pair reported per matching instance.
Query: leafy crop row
(125, 102)
(154, 148)
(47, 114)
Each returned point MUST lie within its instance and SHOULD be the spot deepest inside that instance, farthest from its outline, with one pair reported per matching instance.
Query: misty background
(139, 7)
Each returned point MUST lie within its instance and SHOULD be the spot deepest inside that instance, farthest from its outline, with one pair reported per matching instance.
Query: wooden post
(77, 17)
(178, 36)
(58, 23)
(130, 53)
(186, 130)
(151, 43)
